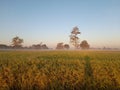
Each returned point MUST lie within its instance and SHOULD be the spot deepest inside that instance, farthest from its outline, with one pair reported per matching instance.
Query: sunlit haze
(51, 21)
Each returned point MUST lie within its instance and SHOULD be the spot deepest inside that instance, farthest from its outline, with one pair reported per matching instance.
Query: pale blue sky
(51, 21)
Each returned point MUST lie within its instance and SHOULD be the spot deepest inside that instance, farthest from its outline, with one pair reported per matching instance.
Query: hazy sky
(51, 21)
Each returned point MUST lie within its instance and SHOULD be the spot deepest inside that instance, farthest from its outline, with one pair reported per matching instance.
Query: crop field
(59, 70)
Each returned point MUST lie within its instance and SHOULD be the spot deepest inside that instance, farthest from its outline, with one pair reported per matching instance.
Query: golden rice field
(59, 70)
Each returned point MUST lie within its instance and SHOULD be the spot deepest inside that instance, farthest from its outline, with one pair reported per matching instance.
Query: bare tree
(84, 45)
(17, 42)
(74, 39)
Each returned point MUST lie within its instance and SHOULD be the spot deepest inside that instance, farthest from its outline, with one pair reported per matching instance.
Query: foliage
(17, 42)
(84, 45)
(66, 46)
(60, 46)
(39, 46)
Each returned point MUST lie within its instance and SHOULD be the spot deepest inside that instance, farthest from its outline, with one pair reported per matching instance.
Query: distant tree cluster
(17, 44)
(62, 46)
(39, 46)
(74, 40)
(3, 46)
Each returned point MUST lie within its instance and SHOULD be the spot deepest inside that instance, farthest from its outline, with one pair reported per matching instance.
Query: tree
(44, 46)
(74, 39)
(17, 42)
(39, 46)
(36, 46)
(66, 46)
(60, 46)
(84, 45)
(3, 46)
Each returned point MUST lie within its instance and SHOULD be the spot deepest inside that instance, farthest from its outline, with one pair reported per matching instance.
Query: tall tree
(17, 42)
(74, 39)
(84, 45)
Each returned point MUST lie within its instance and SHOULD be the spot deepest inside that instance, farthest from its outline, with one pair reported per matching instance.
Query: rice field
(59, 70)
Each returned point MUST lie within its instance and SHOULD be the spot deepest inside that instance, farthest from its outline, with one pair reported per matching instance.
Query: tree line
(74, 40)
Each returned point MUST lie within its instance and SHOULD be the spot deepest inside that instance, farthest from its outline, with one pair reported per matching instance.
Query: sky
(51, 21)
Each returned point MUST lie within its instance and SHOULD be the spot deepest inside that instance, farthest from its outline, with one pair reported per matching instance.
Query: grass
(59, 70)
